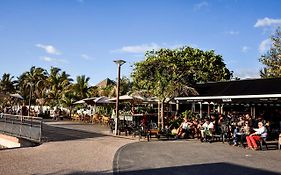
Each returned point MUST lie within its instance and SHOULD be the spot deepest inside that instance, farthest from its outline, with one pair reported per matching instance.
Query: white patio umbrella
(129, 98)
(17, 96)
(102, 100)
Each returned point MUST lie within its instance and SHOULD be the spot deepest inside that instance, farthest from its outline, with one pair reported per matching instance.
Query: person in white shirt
(207, 130)
(256, 136)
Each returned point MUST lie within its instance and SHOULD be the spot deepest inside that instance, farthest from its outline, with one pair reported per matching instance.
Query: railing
(29, 128)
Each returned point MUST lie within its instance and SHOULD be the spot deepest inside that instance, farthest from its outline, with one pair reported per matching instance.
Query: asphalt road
(193, 157)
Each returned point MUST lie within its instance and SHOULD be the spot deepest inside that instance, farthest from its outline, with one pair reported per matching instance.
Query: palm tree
(58, 83)
(33, 82)
(69, 97)
(7, 84)
(81, 87)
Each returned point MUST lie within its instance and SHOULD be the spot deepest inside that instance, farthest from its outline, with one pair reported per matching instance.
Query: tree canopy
(272, 58)
(168, 72)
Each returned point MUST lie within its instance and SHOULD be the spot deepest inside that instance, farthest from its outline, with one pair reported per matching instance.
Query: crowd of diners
(238, 129)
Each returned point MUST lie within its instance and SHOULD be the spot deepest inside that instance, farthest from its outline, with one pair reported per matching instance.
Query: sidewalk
(69, 148)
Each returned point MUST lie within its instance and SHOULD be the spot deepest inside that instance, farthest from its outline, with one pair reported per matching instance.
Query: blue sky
(83, 37)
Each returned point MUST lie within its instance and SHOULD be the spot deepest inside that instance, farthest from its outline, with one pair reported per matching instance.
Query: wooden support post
(201, 112)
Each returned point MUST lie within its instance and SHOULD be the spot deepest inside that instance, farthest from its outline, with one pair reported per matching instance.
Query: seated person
(207, 130)
(193, 129)
(199, 128)
(242, 132)
(256, 136)
(246, 128)
(184, 128)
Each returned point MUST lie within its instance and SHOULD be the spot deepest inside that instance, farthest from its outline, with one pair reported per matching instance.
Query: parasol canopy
(94, 100)
(17, 96)
(129, 98)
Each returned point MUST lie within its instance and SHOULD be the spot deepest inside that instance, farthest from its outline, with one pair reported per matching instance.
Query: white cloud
(232, 32)
(52, 60)
(86, 57)
(245, 49)
(137, 49)
(49, 49)
(264, 46)
(200, 5)
(246, 73)
(266, 22)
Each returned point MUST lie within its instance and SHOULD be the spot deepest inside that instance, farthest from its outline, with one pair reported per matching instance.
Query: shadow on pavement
(53, 133)
(202, 169)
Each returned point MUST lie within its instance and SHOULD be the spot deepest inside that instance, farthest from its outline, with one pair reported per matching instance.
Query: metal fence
(29, 128)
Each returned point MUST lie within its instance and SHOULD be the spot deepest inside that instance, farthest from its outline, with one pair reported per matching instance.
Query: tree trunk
(162, 114)
(70, 110)
(159, 114)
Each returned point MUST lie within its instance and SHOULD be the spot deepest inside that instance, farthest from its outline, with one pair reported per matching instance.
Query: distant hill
(106, 82)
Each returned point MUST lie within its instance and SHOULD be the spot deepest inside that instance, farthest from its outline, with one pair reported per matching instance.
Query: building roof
(240, 87)
(106, 82)
(257, 89)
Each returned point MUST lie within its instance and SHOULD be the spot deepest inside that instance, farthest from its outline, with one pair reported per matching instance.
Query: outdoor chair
(96, 119)
(153, 130)
(105, 120)
(86, 118)
(217, 137)
(262, 143)
(167, 132)
(75, 117)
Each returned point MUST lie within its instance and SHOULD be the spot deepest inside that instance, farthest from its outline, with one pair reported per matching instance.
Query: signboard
(226, 100)
(126, 117)
(122, 117)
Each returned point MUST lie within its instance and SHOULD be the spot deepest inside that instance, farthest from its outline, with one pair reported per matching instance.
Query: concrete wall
(14, 142)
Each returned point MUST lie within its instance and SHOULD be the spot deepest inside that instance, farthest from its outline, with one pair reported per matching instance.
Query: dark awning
(252, 90)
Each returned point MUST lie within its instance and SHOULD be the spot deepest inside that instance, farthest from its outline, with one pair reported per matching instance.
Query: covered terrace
(253, 94)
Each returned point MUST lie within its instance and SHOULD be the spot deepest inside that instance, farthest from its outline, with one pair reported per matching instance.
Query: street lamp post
(30, 94)
(119, 64)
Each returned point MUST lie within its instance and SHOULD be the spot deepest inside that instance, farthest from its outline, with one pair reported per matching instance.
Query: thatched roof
(106, 82)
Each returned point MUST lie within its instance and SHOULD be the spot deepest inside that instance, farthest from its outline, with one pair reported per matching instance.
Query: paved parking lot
(193, 157)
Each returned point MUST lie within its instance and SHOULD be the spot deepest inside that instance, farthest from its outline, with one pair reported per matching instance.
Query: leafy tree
(272, 59)
(125, 85)
(94, 91)
(108, 91)
(167, 73)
